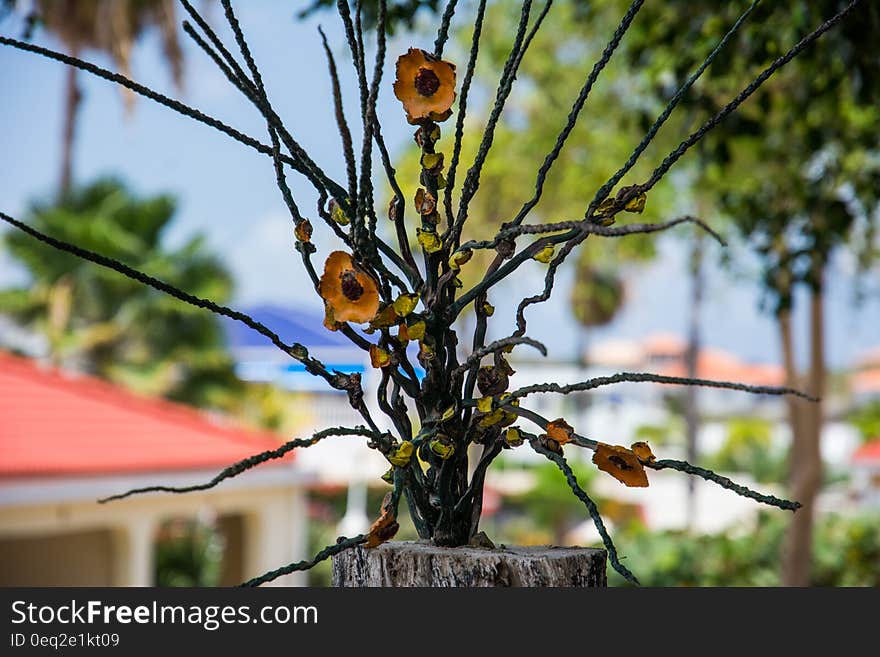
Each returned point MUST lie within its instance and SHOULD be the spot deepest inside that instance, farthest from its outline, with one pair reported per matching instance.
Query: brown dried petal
(560, 431)
(622, 464)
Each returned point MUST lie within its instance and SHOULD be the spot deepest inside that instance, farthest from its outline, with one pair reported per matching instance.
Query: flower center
(351, 287)
(427, 82)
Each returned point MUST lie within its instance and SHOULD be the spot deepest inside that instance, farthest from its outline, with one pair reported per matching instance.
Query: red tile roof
(866, 381)
(664, 344)
(57, 423)
(868, 453)
(719, 365)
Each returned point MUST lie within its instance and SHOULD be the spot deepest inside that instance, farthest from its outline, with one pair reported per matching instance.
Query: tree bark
(691, 408)
(408, 564)
(806, 460)
(792, 380)
(72, 98)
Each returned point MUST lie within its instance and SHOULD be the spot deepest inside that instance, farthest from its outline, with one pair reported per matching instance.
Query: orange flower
(425, 85)
(643, 451)
(560, 431)
(349, 292)
(622, 464)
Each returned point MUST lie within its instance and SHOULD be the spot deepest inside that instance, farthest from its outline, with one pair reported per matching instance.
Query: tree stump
(405, 563)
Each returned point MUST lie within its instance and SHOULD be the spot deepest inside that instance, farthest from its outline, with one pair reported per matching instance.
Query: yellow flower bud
(425, 202)
(457, 259)
(384, 318)
(606, 208)
(513, 437)
(429, 241)
(442, 448)
(405, 304)
(636, 203)
(492, 418)
(448, 414)
(416, 330)
(402, 455)
(379, 357)
(432, 162)
(426, 351)
(545, 255)
(643, 451)
(337, 214)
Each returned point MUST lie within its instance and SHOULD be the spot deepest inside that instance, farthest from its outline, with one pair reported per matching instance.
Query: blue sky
(227, 191)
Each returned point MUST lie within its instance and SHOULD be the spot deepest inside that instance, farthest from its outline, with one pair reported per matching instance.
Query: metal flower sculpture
(464, 397)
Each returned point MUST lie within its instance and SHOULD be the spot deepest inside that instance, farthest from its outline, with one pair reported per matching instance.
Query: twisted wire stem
(342, 544)
(668, 464)
(494, 347)
(341, 121)
(593, 510)
(176, 105)
(576, 236)
(576, 108)
(295, 350)
(443, 30)
(670, 106)
(647, 377)
(462, 112)
(751, 88)
(592, 229)
(724, 482)
(246, 464)
(505, 85)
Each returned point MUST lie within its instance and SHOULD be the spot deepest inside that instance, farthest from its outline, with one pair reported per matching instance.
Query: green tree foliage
(113, 327)
(867, 420)
(796, 169)
(549, 504)
(847, 553)
(188, 553)
(749, 448)
(596, 296)
(669, 433)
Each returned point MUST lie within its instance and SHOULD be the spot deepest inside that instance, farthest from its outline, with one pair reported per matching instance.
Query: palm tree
(111, 26)
(115, 328)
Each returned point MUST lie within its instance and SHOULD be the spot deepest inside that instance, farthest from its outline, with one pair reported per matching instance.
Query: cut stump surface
(405, 563)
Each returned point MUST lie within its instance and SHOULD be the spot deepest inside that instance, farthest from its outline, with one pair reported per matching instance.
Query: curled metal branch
(246, 464)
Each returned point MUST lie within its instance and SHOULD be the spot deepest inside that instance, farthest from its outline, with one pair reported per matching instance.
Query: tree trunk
(422, 564)
(792, 380)
(72, 98)
(691, 409)
(806, 461)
